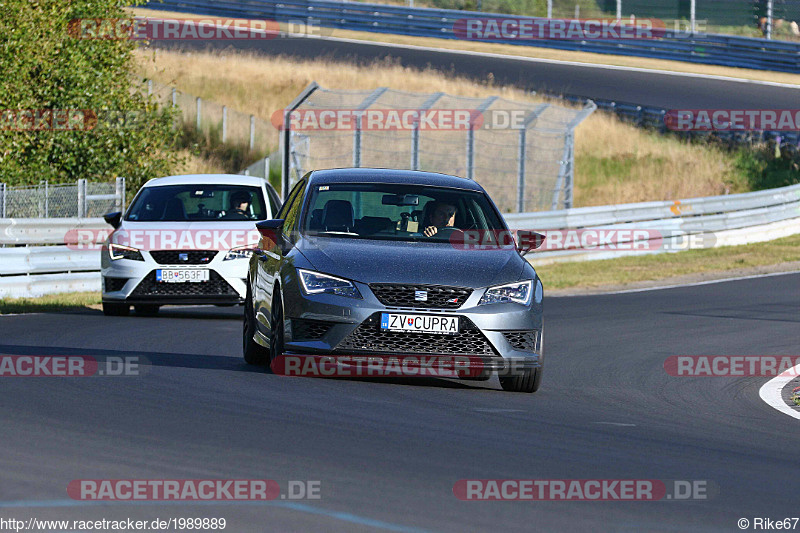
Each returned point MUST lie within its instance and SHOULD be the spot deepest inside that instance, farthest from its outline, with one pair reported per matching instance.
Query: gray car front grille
(405, 295)
(368, 337)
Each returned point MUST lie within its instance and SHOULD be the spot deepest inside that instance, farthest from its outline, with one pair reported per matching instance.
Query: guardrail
(70, 264)
(667, 226)
(653, 117)
(744, 52)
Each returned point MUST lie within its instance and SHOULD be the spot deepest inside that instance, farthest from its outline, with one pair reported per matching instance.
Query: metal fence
(767, 18)
(521, 153)
(81, 199)
(652, 117)
(217, 121)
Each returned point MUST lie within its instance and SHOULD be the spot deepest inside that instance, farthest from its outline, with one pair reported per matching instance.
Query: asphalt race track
(640, 87)
(388, 452)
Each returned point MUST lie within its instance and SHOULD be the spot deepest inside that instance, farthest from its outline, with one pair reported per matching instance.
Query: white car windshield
(177, 203)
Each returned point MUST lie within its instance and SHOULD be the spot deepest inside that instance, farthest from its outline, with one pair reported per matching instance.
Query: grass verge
(67, 301)
(691, 265)
(616, 162)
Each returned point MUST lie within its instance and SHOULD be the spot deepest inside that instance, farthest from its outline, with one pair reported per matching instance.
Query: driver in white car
(441, 215)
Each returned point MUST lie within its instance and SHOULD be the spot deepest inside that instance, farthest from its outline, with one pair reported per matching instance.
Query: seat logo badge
(420, 296)
(183, 257)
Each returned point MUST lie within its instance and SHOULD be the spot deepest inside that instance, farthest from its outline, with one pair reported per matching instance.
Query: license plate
(182, 276)
(447, 325)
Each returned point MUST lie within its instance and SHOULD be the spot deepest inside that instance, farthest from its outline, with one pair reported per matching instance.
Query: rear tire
(114, 309)
(146, 309)
(254, 353)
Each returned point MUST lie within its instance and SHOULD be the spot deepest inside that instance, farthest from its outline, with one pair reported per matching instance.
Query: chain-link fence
(81, 199)
(216, 121)
(521, 153)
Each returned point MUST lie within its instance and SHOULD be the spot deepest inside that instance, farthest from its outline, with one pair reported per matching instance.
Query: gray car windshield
(177, 203)
(396, 212)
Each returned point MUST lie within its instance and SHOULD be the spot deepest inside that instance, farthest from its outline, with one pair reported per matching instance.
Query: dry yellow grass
(616, 162)
(535, 52)
(197, 165)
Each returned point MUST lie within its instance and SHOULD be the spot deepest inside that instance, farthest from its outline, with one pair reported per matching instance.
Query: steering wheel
(445, 232)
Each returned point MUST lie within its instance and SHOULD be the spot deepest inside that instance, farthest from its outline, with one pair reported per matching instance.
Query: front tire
(254, 353)
(528, 380)
(276, 340)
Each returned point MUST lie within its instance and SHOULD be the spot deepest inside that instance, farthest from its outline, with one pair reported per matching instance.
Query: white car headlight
(519, 292)
(240, 252)
(119, 251)
(318, 283)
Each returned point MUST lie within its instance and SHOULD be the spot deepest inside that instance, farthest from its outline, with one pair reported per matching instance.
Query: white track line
(680, 285)
(770, 392)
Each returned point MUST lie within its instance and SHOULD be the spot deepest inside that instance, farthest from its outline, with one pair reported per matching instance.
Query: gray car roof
(383, 175)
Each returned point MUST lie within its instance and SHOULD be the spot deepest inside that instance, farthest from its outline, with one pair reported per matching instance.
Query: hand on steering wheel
(446, 231)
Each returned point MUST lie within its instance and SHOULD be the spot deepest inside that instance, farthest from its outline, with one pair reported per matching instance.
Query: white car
(184, 240)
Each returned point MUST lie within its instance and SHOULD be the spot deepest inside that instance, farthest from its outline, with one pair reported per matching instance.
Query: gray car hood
(375, 261)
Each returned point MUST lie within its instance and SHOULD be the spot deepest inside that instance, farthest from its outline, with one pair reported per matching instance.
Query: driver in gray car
(441, 215)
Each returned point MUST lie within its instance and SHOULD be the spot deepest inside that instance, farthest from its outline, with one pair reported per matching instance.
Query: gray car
(378, 262)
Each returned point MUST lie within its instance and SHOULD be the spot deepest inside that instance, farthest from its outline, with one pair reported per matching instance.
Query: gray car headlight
(119, 251)
(519, 292)
(318, 283)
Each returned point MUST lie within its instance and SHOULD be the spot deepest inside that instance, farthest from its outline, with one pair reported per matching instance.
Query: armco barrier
(716, 220)
(744, 52)
(37, 270)
(47, 230)
(653, 118)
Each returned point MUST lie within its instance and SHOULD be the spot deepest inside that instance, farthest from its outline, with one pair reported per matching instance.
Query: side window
(285, 207)
(274, 202)
(293, 211)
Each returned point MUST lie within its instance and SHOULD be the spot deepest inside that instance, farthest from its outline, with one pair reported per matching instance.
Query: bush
(44, 67)
(768, 168)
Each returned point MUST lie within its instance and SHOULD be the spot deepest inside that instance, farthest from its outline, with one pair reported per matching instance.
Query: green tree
(46, 66)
